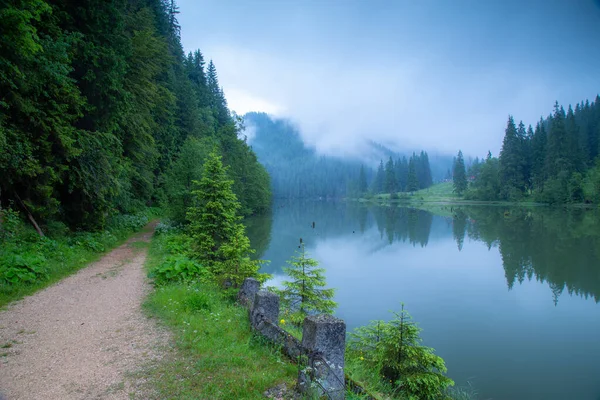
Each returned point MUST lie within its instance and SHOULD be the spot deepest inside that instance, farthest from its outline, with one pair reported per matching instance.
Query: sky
(436, 75)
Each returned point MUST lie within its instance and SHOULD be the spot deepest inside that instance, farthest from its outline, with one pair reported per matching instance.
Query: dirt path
(85, 337)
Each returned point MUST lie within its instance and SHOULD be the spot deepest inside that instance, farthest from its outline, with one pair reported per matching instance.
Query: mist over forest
(299, 170)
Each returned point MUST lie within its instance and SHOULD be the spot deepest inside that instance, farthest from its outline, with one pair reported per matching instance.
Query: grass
(377, 389)
(57, 255)
(438, 198)
(216, 354)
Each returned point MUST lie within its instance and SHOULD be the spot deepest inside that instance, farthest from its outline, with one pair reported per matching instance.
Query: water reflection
(489, 285)
(557, 246)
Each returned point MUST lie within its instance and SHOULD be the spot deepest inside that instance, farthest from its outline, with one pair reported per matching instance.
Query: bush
(394, 351)
(9, 223)
(27, 269)
(166, 227)
(178, 269)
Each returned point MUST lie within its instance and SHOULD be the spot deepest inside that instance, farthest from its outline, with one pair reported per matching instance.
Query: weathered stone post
(324, 339)
(247, 292)
(266, 307)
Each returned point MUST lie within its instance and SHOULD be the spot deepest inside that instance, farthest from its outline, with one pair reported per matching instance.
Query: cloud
(421, 75)
(413, 104)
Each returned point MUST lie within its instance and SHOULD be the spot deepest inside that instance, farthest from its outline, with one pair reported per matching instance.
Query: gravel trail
(85, 337)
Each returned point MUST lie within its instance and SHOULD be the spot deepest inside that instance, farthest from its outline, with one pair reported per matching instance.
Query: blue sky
(440, 75)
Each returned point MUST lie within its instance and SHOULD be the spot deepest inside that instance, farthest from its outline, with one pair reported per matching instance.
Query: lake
(507, 296)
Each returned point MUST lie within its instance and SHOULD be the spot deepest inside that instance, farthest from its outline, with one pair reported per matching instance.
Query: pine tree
(538, 156)
(557, 152)
(402, 173)
(393, 349)
(412, 183)
(305, 294)
(459, 175)
(379, 181)
(390, 177)
(427, 179)
(512, 160)
(238, 265)
(362, 181)
(219, 242)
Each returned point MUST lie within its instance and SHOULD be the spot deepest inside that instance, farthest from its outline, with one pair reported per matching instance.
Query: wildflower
(282, 322)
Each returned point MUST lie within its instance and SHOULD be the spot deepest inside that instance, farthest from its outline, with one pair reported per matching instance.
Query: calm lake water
(508, 297)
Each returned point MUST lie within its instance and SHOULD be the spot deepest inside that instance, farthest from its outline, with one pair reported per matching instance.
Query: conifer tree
(412, 182)
(538, 156)
(393, 349)
(390, 177)
(219, 241)
(557, 157)
(362, 181)
(459, 175)
(305, 294)
(379, 181)
(512, 160)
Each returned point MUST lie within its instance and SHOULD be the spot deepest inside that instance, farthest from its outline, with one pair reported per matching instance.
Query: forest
(102, 112)
(556, 162)
(298, 171)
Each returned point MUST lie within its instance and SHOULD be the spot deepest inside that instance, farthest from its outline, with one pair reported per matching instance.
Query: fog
(437, 75)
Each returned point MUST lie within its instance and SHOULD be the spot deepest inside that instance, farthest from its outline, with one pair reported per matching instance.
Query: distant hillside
(297, 171)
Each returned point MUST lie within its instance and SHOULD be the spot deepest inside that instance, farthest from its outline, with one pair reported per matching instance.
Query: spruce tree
(538, 156)
(459, 175)
(557, 154)
(362, 181)
(412, 182)
(390, 177)
(219, 241)
(379, 181)
(394, 350)
(305, 294)
(512, 160)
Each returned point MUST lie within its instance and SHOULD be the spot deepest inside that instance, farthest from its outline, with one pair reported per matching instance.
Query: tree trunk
(31, 219)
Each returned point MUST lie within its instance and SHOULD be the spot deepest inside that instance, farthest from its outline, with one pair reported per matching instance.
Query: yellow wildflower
(282, 322)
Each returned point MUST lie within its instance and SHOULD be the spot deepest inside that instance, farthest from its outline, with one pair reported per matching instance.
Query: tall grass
(216, 355)
(29, 262)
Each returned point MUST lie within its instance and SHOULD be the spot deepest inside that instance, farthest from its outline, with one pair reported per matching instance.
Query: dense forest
(298, 171)
(102, 112)
(556, 162)
(402, 175)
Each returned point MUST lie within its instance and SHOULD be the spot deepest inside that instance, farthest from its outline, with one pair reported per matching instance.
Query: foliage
(176, 268)
(394, 350)
(216, 354)
(459, 175)
(555, 163)
(23, 269)
(29, 262)
(304, 294)
(218, 239)
(299, 171)
(513, 162)
(101, 114)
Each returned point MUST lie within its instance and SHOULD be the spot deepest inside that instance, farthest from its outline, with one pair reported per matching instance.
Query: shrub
(26, 268)
(393, 349)
(178, 268)
(305, 294)
(9, 223)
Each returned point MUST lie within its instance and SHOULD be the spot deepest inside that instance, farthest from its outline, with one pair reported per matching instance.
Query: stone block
(324, 339)
(248, 291)
(266, 307)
